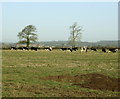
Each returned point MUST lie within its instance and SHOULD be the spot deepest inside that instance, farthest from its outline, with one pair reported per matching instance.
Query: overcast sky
(53, 19)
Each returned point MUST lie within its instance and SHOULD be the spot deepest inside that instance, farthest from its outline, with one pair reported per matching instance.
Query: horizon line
(59, 41)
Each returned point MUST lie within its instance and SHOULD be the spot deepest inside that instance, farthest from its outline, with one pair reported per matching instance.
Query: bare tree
(75, 34)
(28, 35)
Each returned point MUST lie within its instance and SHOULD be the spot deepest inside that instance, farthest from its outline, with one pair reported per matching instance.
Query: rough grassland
(22, 72)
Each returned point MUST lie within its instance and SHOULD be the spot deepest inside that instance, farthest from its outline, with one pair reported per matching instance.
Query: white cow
(48, 49)
(84, 49)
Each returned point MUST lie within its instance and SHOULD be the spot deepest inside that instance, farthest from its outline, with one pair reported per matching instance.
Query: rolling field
(59, 74)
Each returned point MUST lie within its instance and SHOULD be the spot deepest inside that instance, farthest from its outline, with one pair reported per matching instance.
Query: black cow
(20, 48)
(13, 48)
(70, 49)
(48, 48)
(93, 49)
(67, 49)
(75, 48)
(104, 50)
(112, 50)
(25, 48)
(34, 48)
(64, 49)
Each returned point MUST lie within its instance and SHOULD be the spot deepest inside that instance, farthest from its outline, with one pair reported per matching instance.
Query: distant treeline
(80, 44)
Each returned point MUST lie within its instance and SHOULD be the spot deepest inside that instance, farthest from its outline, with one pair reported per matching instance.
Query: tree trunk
(28, 42)
(73, 43)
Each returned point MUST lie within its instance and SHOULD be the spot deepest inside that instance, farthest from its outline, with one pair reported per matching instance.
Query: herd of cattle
(83, 49)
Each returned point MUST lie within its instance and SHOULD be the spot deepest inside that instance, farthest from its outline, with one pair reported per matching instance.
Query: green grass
(22, 71)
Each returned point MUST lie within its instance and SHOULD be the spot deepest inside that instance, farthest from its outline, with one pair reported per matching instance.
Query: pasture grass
(22, 70)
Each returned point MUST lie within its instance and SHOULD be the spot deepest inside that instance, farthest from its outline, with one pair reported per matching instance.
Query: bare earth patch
(45, 90)
(91, 81)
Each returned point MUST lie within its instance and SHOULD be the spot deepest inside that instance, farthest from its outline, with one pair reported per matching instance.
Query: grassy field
(22, 72)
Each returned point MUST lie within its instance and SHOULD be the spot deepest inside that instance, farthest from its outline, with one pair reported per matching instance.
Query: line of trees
(28, 35)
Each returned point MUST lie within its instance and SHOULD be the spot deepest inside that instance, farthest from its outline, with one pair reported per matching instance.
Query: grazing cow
(70, 49)
(84, 49)
(67, 49)
(112, 50)
(75, 48)
(25, 48)
(93, 49)
(20, 48)
(34, 48)
(48, 48)
(64, 49)
(13, 48)
(104, 50)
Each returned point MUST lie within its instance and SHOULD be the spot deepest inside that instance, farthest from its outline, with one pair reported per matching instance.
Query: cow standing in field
(48, 48)
(13, 48)
(34, 48)
(63, 49)
(84, 49)
(20, 48)
(93, 49)
(113, 50)
(70, 49)
(75, 48)
(104, 50)
(25, 48)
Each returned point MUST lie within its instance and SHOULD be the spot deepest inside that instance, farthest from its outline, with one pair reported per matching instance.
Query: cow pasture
(52, 73)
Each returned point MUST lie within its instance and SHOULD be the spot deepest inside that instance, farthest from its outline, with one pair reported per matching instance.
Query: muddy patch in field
(91, 81)
(31, 90)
